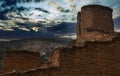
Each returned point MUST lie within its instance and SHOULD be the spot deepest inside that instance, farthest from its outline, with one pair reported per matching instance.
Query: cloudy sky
(46, 18)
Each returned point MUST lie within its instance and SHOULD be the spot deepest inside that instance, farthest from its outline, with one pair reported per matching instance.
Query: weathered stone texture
(16, 61)
(93, 19)
(98, 58)
(94, 59)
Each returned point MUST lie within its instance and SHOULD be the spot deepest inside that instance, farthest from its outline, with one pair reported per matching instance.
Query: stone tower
(93, 21)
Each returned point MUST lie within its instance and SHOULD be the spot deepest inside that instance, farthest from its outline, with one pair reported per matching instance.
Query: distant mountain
(44, 46)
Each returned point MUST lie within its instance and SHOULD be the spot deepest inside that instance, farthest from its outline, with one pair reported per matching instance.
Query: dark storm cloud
(40, 9)
(2, 14)
(38, 0)
(17, 33)
(61, 9)
(11, 9)
(21, 8)
(44, 32)
(14, 2)
(8, 3)
(63, 28)
(9, 6)
(29, 25)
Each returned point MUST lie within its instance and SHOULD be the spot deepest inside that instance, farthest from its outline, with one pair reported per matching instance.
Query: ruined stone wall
(15, 61)
(94, 59)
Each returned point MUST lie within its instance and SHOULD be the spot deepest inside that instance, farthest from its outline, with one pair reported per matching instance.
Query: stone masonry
(94, 22)
(98, 53)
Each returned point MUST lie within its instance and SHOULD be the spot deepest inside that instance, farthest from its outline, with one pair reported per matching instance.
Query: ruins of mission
(96, 51)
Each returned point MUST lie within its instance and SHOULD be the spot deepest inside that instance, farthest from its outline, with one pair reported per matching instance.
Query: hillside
(44, 46)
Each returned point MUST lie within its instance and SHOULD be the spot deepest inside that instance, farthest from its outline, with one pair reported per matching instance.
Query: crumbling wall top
(105, 7)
